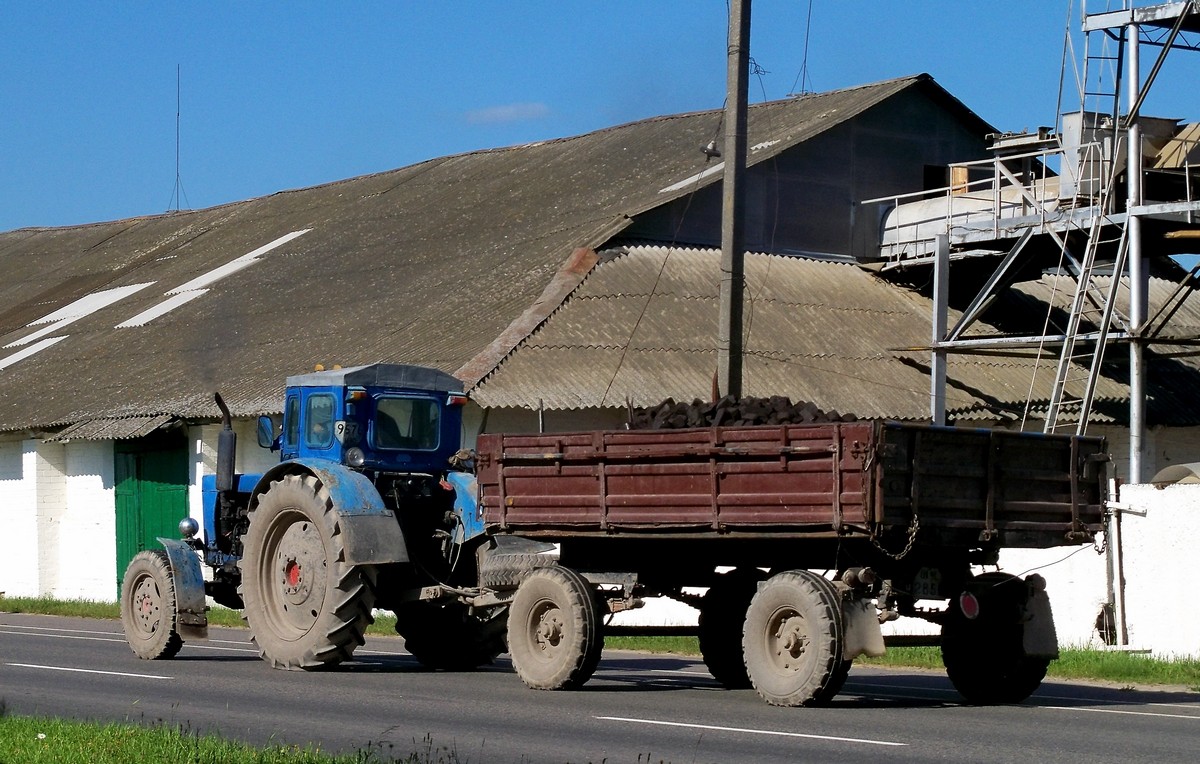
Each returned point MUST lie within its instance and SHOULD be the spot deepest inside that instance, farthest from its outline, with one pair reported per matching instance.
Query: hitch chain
(912, 538)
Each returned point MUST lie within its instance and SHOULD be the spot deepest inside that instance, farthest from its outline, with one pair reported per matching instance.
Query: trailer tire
(148, 612)
(985, 657)
(306, 608)
(554, 634)
(841, 672)
(793, 639)
(503, 571)
(448, 637)
(722, 616)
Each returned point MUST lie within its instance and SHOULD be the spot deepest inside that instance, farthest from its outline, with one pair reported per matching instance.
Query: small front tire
(148, 613)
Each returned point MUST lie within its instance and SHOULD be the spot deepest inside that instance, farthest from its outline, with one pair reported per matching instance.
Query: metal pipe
(1139, 277)
(941, 301)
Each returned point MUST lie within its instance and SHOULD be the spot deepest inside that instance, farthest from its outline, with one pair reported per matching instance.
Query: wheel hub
(299, 572)
(146, 606)
(549, 632)
(790, 641)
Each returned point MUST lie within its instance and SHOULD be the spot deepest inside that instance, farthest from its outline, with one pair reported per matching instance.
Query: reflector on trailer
(969, 605)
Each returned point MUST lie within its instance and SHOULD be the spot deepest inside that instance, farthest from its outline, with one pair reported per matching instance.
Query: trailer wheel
(985, 656)
(554, 632)
(793, 639)
(148, 607)
(722, 615)
(448, 637)
(841, 672)
(305, 608)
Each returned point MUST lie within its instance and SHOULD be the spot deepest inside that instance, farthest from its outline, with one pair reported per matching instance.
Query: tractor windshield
(406, 423)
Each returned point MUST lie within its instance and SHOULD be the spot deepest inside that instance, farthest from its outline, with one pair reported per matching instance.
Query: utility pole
(733, 251)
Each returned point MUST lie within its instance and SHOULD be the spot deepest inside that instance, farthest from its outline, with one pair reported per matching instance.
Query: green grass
(1075, 663)
(33, 740)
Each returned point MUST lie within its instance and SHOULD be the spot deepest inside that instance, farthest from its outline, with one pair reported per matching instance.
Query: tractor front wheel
(148, 606)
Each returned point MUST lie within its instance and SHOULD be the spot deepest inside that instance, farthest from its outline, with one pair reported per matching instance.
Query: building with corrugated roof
(562, 282)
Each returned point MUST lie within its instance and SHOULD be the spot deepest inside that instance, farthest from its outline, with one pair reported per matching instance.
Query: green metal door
(151, 494)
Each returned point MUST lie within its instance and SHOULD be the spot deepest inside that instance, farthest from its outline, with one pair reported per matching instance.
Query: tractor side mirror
(266, 433)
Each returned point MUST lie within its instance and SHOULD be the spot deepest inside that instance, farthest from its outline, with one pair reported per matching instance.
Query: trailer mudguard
(1039, 637)
(371, 533)
(191, 612)
(862, 634)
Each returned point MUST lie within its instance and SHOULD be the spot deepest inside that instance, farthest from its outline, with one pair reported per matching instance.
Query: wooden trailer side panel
(718, 479)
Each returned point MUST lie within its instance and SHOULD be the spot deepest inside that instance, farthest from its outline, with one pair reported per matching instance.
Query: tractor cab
(385, 418)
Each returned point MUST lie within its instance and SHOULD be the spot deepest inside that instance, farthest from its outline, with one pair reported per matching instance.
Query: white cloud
(513, 112)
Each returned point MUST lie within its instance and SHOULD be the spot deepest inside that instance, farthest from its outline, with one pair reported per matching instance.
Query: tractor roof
(381, 375)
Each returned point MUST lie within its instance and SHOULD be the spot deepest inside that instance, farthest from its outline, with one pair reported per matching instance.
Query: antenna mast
(177, 193)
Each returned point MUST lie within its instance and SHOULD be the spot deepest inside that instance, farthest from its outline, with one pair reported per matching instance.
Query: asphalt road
(638, 708)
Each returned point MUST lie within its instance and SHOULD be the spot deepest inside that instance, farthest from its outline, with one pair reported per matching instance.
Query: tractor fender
(371, 533)
(191, 612)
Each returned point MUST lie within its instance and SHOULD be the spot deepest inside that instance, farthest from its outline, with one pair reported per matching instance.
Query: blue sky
(279, 95)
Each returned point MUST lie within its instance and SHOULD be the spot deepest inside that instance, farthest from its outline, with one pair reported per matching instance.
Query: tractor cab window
(406, 423)
(292, 419)
(318, 421)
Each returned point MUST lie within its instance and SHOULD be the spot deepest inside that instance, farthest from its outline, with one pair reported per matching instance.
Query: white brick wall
(18, 520)
(87, 536)
(1160, 553)
(51, 491)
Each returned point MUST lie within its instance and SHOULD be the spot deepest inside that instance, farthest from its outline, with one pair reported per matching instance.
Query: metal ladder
(1098, 60)
(1078, 365)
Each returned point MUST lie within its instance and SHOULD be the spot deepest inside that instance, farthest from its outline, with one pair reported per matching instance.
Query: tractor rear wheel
(148, 606)
(306, 608)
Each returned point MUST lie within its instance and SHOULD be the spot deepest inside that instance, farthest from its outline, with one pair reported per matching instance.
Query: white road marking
(88, 671)
(47, 628)
(67, 636)
(750, 731)
(1119, 711)
(121, 639)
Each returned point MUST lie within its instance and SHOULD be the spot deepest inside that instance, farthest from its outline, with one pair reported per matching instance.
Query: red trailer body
(964, 486)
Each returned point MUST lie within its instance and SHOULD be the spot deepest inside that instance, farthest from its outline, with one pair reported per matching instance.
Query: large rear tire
(305, 607)
(148, 612)
(722, 616)
(554, 633)
(793, 639)
(985, 656)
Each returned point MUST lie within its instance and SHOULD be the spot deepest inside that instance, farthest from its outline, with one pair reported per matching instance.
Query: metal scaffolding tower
(1085, 223)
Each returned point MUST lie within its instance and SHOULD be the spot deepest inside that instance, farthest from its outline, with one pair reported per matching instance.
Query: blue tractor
(372, 505)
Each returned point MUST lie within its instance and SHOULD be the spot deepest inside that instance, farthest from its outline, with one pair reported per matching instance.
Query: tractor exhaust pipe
(226, 447)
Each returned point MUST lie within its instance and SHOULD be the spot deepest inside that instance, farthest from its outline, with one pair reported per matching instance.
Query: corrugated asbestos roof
(824, 332)
(427, 265)
(113, 429)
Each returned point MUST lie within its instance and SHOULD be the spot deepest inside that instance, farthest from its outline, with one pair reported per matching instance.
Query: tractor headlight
(188, 527)
(355, 457)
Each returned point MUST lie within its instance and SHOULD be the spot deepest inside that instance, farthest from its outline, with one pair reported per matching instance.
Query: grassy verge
(1075, 663)
(33, 740)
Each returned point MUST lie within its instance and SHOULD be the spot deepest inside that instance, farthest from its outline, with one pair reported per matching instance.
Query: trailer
(806, 537)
